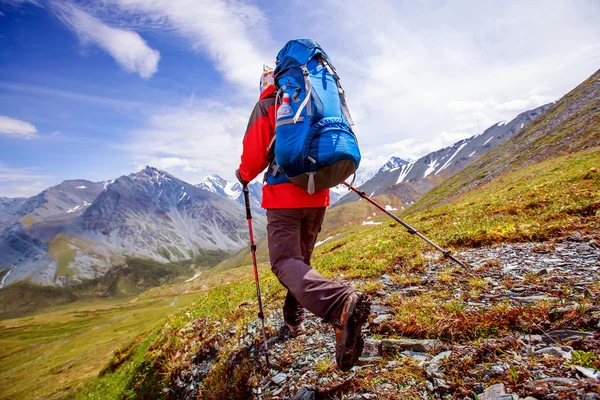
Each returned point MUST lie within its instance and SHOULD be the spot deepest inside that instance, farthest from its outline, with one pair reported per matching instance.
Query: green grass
(501, 211)
(61, 250)
(43, 356)
(548, 200)
(135, 276)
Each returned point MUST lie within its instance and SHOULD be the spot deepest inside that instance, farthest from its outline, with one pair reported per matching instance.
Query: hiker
(294, 218)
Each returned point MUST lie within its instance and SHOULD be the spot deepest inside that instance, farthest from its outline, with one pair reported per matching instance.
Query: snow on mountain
(431, 169)
(393, 164)
(234, 191)
(70, 232)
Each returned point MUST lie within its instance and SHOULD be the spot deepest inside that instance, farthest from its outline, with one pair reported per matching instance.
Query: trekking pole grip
(247, 201)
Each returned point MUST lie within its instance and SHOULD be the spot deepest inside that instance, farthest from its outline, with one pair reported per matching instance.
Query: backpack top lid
(297, 53)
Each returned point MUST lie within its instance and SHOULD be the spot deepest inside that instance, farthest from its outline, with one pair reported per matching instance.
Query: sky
(98, 89)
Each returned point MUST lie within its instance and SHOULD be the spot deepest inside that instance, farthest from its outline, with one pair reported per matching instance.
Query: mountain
(233, 191)
(410, 180)
(567, 126)
(80, 229)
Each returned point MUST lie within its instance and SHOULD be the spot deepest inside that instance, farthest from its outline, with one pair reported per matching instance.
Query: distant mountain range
(410, 180)
(79, 229)
(233, 191)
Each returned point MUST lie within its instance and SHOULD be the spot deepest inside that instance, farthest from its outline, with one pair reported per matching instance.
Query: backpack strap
(332, 71)
(306, 102)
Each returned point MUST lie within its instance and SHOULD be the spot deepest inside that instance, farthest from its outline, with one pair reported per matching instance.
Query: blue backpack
(314, 145)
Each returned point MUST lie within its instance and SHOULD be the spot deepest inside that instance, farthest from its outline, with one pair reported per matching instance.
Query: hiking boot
(296, 329)
(348, 339)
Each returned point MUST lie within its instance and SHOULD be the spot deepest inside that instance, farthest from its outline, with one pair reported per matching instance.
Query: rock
(590, 396)
(429, 386)
(564, 335)
(588, 372)
(562, 381)
(531, 338)
(305, 394)
(377, 309)
(381, 318)
(368, 396)
(440, 385)
(496, 390)
(552, 351)
(371, 348)
(441, 356)
(279, 378)
(479, 388)
(392, 346)
(416, 355)
(530, 398)
(497, 370)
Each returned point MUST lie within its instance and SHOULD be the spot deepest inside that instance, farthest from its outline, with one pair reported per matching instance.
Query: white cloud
(21, 182)
(426, 74)
(128, 49)
(232, 33)
(192, 141)
(16, 127)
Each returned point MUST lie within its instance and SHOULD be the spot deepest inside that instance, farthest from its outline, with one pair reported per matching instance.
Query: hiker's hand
(239, 178)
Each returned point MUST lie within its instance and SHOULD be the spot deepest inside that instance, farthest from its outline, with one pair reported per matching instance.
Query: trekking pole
(261, 315)
(410, 229)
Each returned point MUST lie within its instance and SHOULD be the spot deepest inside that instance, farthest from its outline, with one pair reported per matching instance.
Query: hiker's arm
(256, 141)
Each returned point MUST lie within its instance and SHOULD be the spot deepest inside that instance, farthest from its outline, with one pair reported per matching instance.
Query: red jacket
(259, 133)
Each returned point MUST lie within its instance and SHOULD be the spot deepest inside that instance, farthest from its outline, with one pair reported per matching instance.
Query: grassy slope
(554, 198)
(20, 299)
(44, 355)
(570, 125)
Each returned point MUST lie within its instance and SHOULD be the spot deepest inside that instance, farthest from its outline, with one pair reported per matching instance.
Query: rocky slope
(410, 180)
(542, 359)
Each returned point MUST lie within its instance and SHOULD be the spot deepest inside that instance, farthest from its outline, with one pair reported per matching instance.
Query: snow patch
(194, 277)
(522, 126)
(487, 141)
(471, 155)
(108, 183)
(81, 187)
(72, 210)
(501, 123)
(390, 208)
(4, 279)
(404, 172)
(431, 167)
(323, 241)
(453, 155)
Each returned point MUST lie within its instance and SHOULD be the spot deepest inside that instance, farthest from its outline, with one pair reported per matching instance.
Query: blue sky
(95, 90)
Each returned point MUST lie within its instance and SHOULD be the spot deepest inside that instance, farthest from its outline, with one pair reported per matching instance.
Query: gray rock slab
(279, 378)
(392, 346)
(305, 394)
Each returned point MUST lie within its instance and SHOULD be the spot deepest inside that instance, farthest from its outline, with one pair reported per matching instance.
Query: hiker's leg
(293, 312)
(317, 294)
(311, 224)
